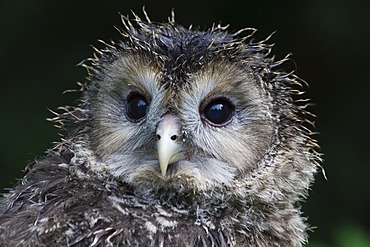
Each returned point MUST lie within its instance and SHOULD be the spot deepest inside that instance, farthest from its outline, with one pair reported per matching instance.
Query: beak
(168, 141)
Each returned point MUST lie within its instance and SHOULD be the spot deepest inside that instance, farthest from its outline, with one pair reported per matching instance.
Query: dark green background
(41, 42)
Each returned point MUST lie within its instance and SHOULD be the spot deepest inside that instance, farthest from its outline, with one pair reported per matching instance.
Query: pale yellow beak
(169, 145)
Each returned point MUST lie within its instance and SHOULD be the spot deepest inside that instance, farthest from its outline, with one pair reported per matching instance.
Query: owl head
(174, 109)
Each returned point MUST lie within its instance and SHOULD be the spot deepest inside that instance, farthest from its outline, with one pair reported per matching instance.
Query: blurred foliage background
(41, 42)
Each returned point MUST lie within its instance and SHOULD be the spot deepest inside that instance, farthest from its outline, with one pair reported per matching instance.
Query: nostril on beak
(169, 149)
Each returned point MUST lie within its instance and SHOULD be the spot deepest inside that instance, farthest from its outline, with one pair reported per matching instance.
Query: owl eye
(218, 111)
(136, 106)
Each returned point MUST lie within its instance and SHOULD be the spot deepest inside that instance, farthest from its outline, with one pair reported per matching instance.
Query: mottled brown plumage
(181, 138)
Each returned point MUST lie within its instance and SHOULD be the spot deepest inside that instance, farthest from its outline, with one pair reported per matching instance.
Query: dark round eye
(136, 106)
(218, 111)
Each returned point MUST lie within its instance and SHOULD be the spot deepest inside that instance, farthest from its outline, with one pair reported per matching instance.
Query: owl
(181, 137)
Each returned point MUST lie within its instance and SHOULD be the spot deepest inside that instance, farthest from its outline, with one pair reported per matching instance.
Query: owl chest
(134, 222)
(129, 221)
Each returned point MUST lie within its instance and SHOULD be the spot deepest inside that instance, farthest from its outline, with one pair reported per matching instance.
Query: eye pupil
(136, 106)
(218, 111)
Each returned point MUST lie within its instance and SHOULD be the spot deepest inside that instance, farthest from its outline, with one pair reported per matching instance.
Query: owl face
(200, 127)
(184, 110)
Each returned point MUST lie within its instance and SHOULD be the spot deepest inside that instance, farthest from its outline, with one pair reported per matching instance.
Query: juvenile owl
(182, 137)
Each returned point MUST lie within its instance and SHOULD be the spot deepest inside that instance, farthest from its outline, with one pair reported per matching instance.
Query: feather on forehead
(185, 50)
